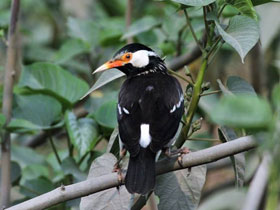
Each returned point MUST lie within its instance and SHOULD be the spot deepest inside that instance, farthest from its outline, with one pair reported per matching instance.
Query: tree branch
(104, 182)
(258, 185)
(179, 62)
(10, 72)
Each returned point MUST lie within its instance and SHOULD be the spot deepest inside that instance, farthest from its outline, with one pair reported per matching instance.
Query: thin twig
(128, 14)
(210, 93)
(55, 151)
(192, 30)
(221, 10)
(203, 139)
(210, 60)
(205, 22)
(179, 76)
(10, 71)
(111, 180)
(213, 47)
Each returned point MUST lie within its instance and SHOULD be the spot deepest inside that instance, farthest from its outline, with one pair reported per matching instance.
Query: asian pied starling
(149, 110)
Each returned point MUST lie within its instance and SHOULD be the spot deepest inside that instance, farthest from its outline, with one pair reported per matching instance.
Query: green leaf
(106, 115)
(180, 190)
(194, 3)
(242, 34)
(109, 199)
(51, 79)
(111, 31)
(22, 126)
(69, 49)
(69, 166)
(276, 96)
(242, 111)
(40, 110)
(140, 26)
(237, 85)
(86, 30)
(35, 187)
(208, 103)
(34, 171)
(259, 2)
(245, 7)
(99, 97)
(25, 156)
(82, 132)
(2, 33)
(2, 120)
(104, 79)
(51, 159)
(238, 161)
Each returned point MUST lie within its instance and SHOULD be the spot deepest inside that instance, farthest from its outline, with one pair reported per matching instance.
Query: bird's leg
(117, 166)
(178, 152)
(182, 151)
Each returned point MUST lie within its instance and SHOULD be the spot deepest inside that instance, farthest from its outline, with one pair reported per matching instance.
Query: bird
(149, 110)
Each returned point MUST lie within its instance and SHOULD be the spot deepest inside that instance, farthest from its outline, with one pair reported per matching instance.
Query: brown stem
(10, 70)
(128, 13)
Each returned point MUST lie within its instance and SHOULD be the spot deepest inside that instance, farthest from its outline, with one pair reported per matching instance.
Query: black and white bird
(149, 110)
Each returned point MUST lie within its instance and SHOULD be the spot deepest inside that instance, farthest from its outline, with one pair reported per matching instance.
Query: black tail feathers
(140, 176)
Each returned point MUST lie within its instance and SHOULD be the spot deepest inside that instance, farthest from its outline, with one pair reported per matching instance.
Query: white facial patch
(145, 137)
(141, 58)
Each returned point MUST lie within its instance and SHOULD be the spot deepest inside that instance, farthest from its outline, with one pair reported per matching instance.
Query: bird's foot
(117, 166)
(177, 152)
(181, 152)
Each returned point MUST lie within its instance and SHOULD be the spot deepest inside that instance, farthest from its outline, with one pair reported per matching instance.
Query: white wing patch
(178, 104)
(173, 109)
(125, 110)
(145, 137)
(119, 109)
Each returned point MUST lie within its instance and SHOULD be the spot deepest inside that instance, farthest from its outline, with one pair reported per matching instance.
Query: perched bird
(149, 110)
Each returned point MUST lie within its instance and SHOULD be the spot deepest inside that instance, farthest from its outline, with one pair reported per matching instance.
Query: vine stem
(55, 151)
(179, 76)
(193, 104)
(10, 71)
(210, 93)
(192, 31)
(204, 139)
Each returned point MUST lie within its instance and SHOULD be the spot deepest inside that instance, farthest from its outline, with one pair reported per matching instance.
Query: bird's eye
(127, 56)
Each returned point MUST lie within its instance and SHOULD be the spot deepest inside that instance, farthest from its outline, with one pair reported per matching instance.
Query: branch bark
(185, 59)
(10, 71)
(258, 185)
(101, 183)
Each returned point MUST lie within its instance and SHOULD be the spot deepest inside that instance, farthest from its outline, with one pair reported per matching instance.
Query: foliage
(54, 102)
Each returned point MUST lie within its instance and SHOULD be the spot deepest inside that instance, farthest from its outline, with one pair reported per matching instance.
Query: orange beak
(109, 65)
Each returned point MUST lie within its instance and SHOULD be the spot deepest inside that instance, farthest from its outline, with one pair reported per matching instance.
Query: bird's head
(134, 59)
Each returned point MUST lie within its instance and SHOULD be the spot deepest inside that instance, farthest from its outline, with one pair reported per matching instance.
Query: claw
(181, 152)
(117, 166)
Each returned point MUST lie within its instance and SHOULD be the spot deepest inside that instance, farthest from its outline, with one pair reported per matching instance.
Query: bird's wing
(129, 120)
(166, 120)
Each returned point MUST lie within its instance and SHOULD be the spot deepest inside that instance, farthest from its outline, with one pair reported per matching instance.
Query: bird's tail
(140, 176)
